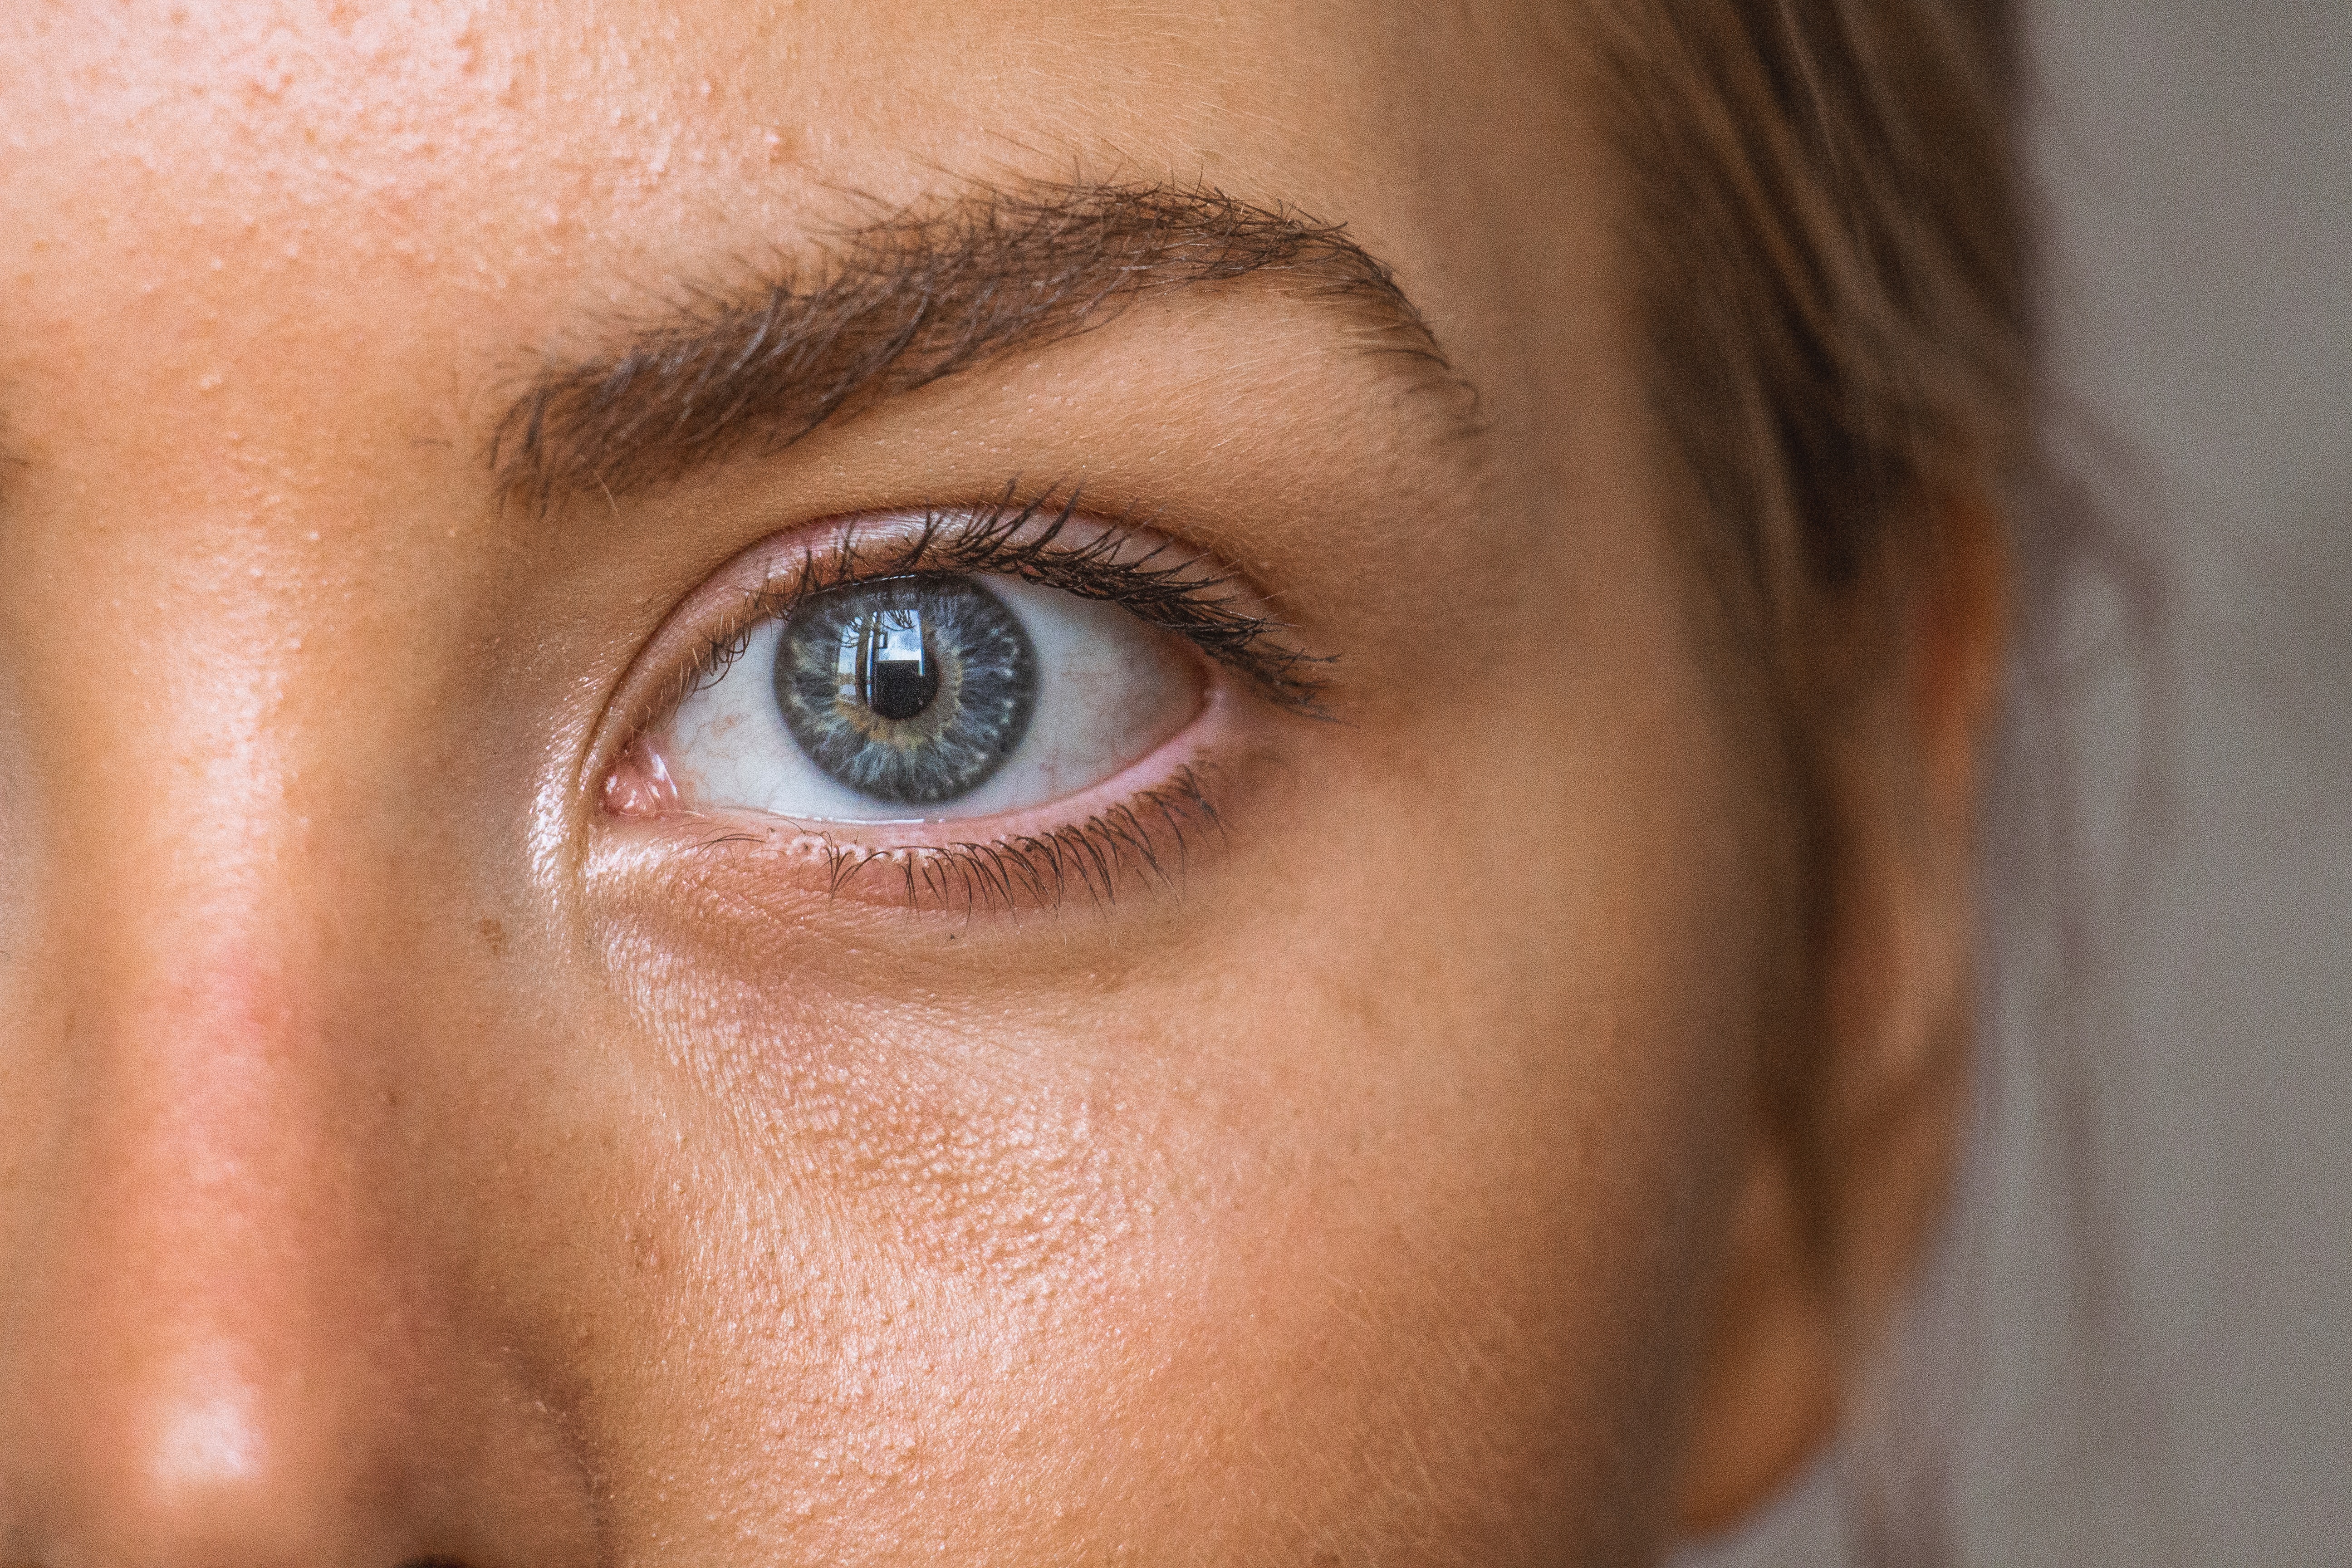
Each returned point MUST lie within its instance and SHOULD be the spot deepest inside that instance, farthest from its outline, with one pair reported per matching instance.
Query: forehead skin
(385, 1183)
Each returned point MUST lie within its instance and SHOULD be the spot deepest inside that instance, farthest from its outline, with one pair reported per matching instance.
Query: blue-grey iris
(912, 690)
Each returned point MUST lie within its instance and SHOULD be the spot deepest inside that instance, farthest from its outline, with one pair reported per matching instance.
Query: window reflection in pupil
(887, 666)
(909, 691)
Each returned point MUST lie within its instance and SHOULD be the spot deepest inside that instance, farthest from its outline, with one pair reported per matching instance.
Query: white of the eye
(1108, 688)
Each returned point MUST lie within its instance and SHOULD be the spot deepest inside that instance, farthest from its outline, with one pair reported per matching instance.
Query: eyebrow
(907, 301)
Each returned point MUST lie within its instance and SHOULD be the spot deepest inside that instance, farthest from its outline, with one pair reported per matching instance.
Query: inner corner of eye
(639, 781)
(931, 698)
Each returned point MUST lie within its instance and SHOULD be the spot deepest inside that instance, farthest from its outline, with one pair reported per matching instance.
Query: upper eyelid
(1192, 594)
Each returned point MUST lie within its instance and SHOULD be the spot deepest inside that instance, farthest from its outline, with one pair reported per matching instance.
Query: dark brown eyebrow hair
(905, 301)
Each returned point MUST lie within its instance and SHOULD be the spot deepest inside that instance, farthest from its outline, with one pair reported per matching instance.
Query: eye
(929, 696)
(953, 665)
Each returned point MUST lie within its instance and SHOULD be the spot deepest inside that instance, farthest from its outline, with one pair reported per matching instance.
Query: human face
(440, 1122)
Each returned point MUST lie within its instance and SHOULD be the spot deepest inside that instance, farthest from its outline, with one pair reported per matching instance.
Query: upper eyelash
(1162, 587)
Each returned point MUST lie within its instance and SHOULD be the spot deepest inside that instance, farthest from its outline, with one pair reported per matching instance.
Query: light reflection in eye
(882, 664)
(927, 698)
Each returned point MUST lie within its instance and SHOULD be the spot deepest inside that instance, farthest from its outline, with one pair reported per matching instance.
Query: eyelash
(1161, 587)
(1164, 587)
(1098, 854)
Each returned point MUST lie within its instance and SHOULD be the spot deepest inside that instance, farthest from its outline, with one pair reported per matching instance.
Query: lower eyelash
(1144, 841)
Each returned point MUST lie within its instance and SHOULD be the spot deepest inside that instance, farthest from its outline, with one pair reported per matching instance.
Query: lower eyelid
(1146, 839)
(1145, 842)
(1142, 831)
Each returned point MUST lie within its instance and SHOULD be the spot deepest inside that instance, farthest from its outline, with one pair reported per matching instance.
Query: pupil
(910, 690)
(899, 678)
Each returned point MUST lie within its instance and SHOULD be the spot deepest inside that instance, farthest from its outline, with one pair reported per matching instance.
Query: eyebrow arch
(908, 300)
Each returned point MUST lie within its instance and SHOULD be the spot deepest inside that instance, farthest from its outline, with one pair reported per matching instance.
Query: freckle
(494, 936)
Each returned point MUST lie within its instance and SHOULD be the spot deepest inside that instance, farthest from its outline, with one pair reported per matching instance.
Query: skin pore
(406, 1158)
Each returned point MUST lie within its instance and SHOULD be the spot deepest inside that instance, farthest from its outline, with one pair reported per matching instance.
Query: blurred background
(2147, 1353)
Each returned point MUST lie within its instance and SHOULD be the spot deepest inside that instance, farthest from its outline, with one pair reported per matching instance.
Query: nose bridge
(205, 1182)
(229, 1330)
(210, 1163)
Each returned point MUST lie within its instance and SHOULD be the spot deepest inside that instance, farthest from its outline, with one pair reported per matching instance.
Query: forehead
(466, 155)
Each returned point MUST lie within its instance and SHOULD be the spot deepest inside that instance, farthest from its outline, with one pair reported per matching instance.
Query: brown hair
(1831, 263)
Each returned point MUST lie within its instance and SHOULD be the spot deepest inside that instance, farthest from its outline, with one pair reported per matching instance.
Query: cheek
(1369, 1207)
